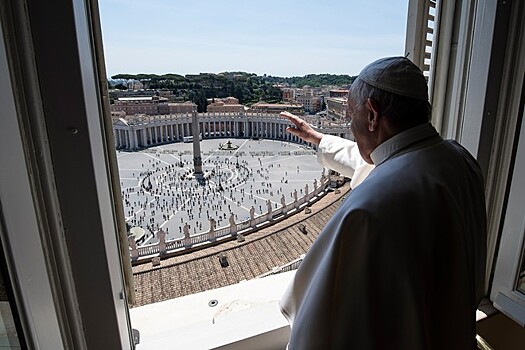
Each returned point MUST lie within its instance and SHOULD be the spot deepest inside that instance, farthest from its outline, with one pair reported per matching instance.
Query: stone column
(134, 144)
(116, 135)
(144, 138)
(122, 139)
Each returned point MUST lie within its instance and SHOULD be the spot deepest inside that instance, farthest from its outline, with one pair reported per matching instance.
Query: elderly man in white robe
(401, 263)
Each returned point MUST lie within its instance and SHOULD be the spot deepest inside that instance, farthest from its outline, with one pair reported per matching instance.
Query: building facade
(264, 107)
(336, 107)
(149, 105)
(143, 131)
(224, 105)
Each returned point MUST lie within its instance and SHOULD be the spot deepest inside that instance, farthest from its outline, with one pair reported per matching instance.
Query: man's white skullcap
(397, 75)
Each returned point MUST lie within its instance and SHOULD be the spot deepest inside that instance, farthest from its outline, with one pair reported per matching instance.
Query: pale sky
(274, 37)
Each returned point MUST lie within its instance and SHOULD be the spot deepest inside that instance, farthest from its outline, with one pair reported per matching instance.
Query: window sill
(246, 315)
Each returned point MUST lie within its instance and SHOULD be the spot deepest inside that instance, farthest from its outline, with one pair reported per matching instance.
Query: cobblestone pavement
(160, 191)
(262, 251)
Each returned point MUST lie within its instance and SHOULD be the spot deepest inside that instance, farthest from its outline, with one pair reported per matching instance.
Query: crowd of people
(169, 195)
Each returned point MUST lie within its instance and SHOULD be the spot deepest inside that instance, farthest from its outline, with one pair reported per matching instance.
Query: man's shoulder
(424, 171)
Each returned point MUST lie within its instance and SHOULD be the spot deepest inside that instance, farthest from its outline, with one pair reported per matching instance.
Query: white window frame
(19, 229)
(60, 236)
(504, 292)
(476, 88)
(506, 189)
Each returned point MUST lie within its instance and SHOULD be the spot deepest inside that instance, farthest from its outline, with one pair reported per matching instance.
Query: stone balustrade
(145, 253)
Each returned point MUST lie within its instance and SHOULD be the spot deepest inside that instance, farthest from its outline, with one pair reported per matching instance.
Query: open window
(60, 224)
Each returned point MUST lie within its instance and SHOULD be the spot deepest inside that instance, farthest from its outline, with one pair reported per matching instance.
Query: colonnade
(139, 132)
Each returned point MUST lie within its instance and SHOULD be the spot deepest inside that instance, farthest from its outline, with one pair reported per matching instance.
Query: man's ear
(373, 114)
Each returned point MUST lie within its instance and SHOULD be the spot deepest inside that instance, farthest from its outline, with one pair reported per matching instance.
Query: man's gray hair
(401, 111)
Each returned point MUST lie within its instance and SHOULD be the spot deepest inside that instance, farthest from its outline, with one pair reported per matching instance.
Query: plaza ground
(160, 191)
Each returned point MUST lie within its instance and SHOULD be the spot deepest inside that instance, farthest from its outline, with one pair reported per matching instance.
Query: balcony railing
(164, 248)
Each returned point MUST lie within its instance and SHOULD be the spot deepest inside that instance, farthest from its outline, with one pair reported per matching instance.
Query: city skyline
(290, 38)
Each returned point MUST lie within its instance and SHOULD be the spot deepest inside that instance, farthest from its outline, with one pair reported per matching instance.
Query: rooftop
(261, 252)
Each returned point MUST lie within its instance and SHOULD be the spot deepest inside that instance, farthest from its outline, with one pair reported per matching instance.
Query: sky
(274, 37)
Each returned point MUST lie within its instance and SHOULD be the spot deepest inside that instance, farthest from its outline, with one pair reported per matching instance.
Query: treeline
(315, 80)
(249, 88)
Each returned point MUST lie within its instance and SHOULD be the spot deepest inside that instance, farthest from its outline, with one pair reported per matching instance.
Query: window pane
(8, 330)
(521, 274)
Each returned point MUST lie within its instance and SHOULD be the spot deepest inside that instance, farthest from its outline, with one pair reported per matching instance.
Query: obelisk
(197, 160)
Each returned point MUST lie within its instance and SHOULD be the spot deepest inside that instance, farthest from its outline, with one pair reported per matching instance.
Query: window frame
(63, 253)
(504, 291)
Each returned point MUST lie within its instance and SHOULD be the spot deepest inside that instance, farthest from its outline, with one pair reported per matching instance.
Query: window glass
(9, 335)
(521, 274)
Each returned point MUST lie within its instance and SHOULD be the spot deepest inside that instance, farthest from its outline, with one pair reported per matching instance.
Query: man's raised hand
(301, 129)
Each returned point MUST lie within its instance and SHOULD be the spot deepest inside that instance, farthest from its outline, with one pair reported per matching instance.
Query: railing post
(233, 225)
(162, 242)
(306, 193)
(252, 217)
(283, 204)
(134, 250)
(269, 210)
(211, 232)
(187, 240)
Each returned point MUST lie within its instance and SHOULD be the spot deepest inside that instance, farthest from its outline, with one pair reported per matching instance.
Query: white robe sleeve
(343, 156)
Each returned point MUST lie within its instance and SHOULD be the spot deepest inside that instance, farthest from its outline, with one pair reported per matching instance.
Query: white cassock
(401, 264)
(343, 156)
